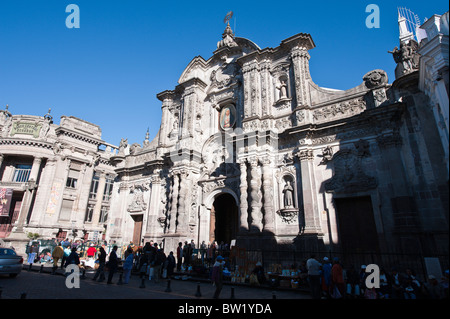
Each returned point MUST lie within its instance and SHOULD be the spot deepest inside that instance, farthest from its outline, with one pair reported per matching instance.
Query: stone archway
(224, 219)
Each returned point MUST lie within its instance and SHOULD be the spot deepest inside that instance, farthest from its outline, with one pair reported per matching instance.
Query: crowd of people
(327, 279)
(330, 279)
(148, 260)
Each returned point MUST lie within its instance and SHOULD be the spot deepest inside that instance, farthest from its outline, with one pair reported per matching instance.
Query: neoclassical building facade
(251, 151)
(58, 178)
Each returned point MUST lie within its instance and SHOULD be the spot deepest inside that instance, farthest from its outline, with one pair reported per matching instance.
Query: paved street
(43, 285)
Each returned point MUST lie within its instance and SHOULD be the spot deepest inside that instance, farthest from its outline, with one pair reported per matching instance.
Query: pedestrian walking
(326, 277)
(34, 250)
(397, 288)
(179, 256)
(101, 266)
(353, 290)
(128, 265)
(57, 254)
(157, 264)
(337, 279)
(203, 248)
(217, 276)
(313, 267)
(112, 264)
(170, 264)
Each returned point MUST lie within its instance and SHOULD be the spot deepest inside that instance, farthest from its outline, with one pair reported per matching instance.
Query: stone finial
(48, 116)
(147, 136)
(227, 38)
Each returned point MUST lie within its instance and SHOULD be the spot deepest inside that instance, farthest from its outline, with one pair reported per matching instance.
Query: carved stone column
(256, 216)
(30, 189)
(182, 211)
(35, 169)
(1, 160)
(300, 60)
(269, 215)
(311, 213)
(167, 100)
(243, 207)
(171, 225)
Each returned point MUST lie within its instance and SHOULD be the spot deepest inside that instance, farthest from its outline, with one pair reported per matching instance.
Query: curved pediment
(197, 68)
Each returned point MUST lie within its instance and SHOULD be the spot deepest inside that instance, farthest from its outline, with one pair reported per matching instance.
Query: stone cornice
(78, 136)
(26, 142)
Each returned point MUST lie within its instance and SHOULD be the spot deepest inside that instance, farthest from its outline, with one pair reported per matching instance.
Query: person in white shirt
(314, 268)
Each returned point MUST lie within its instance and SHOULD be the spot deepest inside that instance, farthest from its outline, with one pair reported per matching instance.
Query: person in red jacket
(91, 251)
(337, 280)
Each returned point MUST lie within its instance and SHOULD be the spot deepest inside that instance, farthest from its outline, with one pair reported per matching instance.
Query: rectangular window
(72, 178)
(104, 214)
(94, 187)
(66, 209)
(89, 213)
(108, 189)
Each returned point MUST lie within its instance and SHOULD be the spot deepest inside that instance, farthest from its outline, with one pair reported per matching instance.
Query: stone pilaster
(403, 205)
(309, 191)
(300, 60)
(167, 100)
(155, 205)
(265, 88)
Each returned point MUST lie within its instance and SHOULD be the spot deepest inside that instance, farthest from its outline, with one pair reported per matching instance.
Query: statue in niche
(174, 132)
(288, 195)
(283, 89)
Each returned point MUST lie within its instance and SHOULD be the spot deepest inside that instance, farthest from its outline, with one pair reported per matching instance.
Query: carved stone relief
(349, 176)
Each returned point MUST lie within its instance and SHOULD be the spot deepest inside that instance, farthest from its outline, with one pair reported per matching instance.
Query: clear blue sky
(109, 71)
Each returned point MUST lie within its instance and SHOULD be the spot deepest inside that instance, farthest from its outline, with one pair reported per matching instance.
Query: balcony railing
(21, 175)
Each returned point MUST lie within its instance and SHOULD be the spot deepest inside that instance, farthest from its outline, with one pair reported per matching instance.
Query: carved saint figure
(123, 144)
(406, 55)
(283, 89)
(288, 195)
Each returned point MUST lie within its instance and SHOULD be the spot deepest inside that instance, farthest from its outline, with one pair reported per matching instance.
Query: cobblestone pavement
(37, 285)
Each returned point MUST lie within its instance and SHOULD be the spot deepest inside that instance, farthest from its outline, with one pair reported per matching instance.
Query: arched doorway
(224, 219)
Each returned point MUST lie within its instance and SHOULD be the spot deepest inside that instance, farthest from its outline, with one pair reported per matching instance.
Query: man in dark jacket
(159, 259)
(112, 264)
(101, 265)
(73, 258)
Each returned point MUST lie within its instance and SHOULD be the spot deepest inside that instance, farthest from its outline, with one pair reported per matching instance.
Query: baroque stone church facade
(251, 150)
